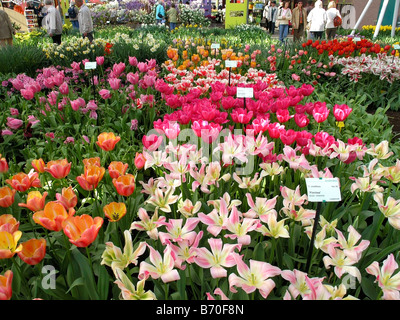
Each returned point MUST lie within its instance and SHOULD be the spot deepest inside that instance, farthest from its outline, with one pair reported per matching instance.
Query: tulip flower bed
(162, 181)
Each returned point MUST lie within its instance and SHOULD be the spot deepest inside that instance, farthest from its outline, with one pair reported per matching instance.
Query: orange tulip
(8, 223)
(117, 168)
(6, 285)
(91, 178)
(82, 230)
(33, 251)
(67, 198)
(3, 165)
(125, 184)
(52, 216)
(140, 160)
(107, 140)
(38, 165)
(92, 161)
(22, 181)
(35, 201)
(6, 196)
(58, 168)
(114, 211)
(195, 58)
(8, 244)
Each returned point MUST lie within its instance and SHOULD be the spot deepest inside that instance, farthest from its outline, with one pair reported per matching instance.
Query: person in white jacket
(85, 20)
(318, 19)
(331, 14)
(53, 22)
(283, 18)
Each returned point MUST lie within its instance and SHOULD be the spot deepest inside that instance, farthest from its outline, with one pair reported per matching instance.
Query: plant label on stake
(230, 64)
(244, 93)
(215, 46)
(92, 66)
(323, 190)
(320, 190)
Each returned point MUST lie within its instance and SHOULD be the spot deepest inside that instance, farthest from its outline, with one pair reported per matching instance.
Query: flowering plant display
(187, 179)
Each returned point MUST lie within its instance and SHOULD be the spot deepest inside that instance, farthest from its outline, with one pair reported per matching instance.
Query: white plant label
(356, 39)
(244, 92)
(215, 46)
(323, 190)
(90, 65)
(396, 47)
(231, 64)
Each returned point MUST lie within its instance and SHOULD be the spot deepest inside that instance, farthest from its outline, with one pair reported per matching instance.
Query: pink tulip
(151, 142)
(320, 112)
(133, 61)
(14, 111)
(100, 60)
(301, 119)
(64, 88)
(283, 115)
(105, 94)
(114, 83)
(13, 123)
(27, 94)
(295, 77)
(241, 115)
(288, 136)
(341, 112)
(118, 68)
(132, 78)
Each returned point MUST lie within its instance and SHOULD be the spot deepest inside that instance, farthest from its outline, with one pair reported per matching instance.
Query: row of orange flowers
(58, 215)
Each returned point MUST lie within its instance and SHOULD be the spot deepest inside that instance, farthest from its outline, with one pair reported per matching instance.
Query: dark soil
(394, 119)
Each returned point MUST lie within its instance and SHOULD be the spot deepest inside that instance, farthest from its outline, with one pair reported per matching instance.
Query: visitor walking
(160, 12)
(172, 15)
(331, 14)
(6, 29)
(317, 18)
(272, 14)
(85, 20)
(267, 7)
(283, 18)
(299, 20)
(52, 21)
(73, 15)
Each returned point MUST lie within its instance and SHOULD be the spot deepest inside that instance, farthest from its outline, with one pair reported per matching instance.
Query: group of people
(52, 19)
(163, 14)
(81, 20)
(313, 19)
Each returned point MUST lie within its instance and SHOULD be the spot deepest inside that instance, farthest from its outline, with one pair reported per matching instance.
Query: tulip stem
(90, 259)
